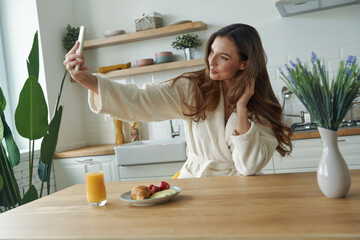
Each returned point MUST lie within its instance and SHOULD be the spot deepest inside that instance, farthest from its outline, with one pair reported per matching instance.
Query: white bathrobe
(212, 148)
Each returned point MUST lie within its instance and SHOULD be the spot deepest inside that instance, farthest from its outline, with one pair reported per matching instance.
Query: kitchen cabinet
(304, 158)
(146, 35)
(71, 171)
(307, 152)
(269, 167)
(163, 170)
(149, 171)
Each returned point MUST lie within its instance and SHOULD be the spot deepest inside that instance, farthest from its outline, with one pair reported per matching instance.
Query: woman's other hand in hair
(245, 97)
(242, 121)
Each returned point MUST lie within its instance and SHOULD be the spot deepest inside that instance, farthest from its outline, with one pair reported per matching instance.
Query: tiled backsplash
(100, 129)
(331, 56)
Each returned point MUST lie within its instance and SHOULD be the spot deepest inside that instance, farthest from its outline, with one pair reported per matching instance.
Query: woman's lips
(212, 71)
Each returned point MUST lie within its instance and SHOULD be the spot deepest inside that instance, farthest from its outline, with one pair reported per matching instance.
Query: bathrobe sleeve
(254, 149)
(127, 102)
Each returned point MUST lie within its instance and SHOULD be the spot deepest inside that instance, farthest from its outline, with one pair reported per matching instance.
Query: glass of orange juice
(95, 184)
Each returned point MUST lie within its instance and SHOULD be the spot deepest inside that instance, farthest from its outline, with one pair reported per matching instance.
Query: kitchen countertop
(108, 149)
(347, 131)
(94, 150)
(278, 206)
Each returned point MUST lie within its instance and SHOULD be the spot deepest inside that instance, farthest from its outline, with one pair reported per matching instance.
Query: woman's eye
(224, 58)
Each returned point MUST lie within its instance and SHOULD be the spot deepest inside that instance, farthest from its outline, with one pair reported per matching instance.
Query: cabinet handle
(341, 140)
(85, 160)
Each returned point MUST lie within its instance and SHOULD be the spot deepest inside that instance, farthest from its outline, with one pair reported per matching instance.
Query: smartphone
(81, 40)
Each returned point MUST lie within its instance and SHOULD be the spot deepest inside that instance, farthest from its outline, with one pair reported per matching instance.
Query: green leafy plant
(188, 40)
(9, 157)
(31, 121)
(328, 102)
(71, 36)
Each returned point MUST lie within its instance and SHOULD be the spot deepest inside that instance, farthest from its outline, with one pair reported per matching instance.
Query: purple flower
(314, 57)
(306, 72)
(323, 69)
(350, 60)
(292, 64)
(287, 68)
(299, 61)
(281, 71)
(348, 71)
(291, 78)
(315, 61)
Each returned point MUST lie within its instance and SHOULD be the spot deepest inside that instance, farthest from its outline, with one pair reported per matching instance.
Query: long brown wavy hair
(263, 106)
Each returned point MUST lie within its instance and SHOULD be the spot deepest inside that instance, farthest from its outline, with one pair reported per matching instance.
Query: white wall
(53, 18)
(333, 34)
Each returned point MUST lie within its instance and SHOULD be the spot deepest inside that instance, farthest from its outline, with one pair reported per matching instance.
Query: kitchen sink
(151, 151)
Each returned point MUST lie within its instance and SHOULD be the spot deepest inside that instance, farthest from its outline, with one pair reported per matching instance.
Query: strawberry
(164, 185)
(155, 189)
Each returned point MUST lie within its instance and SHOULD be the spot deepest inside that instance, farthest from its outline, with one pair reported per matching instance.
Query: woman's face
(224, 60)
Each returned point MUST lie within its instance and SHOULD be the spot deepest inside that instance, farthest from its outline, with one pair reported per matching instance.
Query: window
(4, 84)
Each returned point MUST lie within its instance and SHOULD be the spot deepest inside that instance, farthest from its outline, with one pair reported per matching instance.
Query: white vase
(333, 174)
(189, 53)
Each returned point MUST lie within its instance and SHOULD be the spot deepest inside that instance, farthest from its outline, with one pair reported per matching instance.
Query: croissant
(140, 193)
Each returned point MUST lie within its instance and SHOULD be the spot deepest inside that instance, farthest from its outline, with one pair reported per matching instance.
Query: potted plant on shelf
(328, 102)
(71, 36)
(187, 42)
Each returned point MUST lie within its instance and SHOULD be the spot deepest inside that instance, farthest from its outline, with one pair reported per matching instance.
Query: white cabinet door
(149, 171)
(269, 167)
(163, 171)
(307, 152)
(71, 171)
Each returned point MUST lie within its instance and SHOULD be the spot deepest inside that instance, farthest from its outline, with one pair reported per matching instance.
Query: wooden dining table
(277, 206)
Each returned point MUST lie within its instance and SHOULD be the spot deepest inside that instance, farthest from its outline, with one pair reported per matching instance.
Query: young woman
(231, 116)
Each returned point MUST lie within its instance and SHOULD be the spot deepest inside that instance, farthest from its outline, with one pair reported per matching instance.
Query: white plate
(126, 197)
(179, 22)
(114, 32)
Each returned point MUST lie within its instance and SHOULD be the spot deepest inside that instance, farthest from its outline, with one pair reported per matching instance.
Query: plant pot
(189, 53)
(333, 174)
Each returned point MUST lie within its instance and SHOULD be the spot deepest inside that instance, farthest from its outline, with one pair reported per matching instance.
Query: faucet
(286, 93)
(173, 133)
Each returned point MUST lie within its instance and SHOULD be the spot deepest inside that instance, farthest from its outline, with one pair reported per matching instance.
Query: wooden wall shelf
(156, 68)
(145, 35)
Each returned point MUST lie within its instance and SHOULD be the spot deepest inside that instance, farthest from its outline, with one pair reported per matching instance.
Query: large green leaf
(1, 130)
(31, 114)
(48, 178)
(1, 183)
(33, 59)
(48, 145)
(2, 100)
(10, 189)
(30, 195)
(12, 148)
(42, 170)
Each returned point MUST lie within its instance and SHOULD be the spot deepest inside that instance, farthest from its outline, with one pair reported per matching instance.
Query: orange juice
(95, 187)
